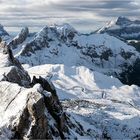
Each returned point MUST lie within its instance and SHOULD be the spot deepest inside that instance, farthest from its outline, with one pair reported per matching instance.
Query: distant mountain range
(123, 28)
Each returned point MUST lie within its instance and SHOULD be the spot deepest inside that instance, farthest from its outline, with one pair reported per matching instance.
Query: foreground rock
(33, 113)
(10, 68)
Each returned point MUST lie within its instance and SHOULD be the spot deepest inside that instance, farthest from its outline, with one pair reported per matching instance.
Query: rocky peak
(57, 31)
(11, 69)
(123, 21)
(48, 35)
(20, 38)
(2, 31)
(66, 30)
(123, 28)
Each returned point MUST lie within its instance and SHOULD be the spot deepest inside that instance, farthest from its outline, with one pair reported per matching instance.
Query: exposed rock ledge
(10, 68)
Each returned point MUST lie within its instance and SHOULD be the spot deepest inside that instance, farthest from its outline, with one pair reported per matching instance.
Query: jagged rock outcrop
(11, 69)
(29, 110)
(20, 38)
(53, 105)
(3, 31)
(33, 113)
(123, 28)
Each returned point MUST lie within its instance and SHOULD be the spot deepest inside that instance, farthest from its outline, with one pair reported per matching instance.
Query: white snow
(60, 52)
(13, 101)
(98, 102)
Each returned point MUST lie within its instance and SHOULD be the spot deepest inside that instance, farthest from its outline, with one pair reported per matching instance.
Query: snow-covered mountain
(66, 87)
(123, 28)
(64, 45)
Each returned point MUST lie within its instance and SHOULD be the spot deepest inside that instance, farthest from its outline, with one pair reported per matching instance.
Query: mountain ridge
(123, 28)
(64, 45)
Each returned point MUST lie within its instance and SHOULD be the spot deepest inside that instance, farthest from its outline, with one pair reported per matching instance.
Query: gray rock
(3, 31)
(11, 69)
(20, 38)
(34, 114)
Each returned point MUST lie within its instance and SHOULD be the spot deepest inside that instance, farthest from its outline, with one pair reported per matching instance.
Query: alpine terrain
(61, 84)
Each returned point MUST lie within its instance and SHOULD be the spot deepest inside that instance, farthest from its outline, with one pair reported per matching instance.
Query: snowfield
(101, 104)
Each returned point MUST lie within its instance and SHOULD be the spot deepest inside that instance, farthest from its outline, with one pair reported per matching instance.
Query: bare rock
(20, 38)
(11, 69)
(53, 105)
(3, 31)
(25, 114)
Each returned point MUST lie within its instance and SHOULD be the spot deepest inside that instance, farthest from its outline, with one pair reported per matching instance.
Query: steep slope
(64, 45)
(123, 28)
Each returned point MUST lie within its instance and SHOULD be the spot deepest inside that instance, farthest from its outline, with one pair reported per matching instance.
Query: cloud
(79, 13)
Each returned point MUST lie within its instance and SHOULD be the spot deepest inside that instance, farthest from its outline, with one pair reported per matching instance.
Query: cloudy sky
(84, 15)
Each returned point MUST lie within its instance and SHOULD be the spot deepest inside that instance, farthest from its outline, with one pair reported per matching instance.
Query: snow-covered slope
(123, 28)
(102, 105)
(64, 45)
